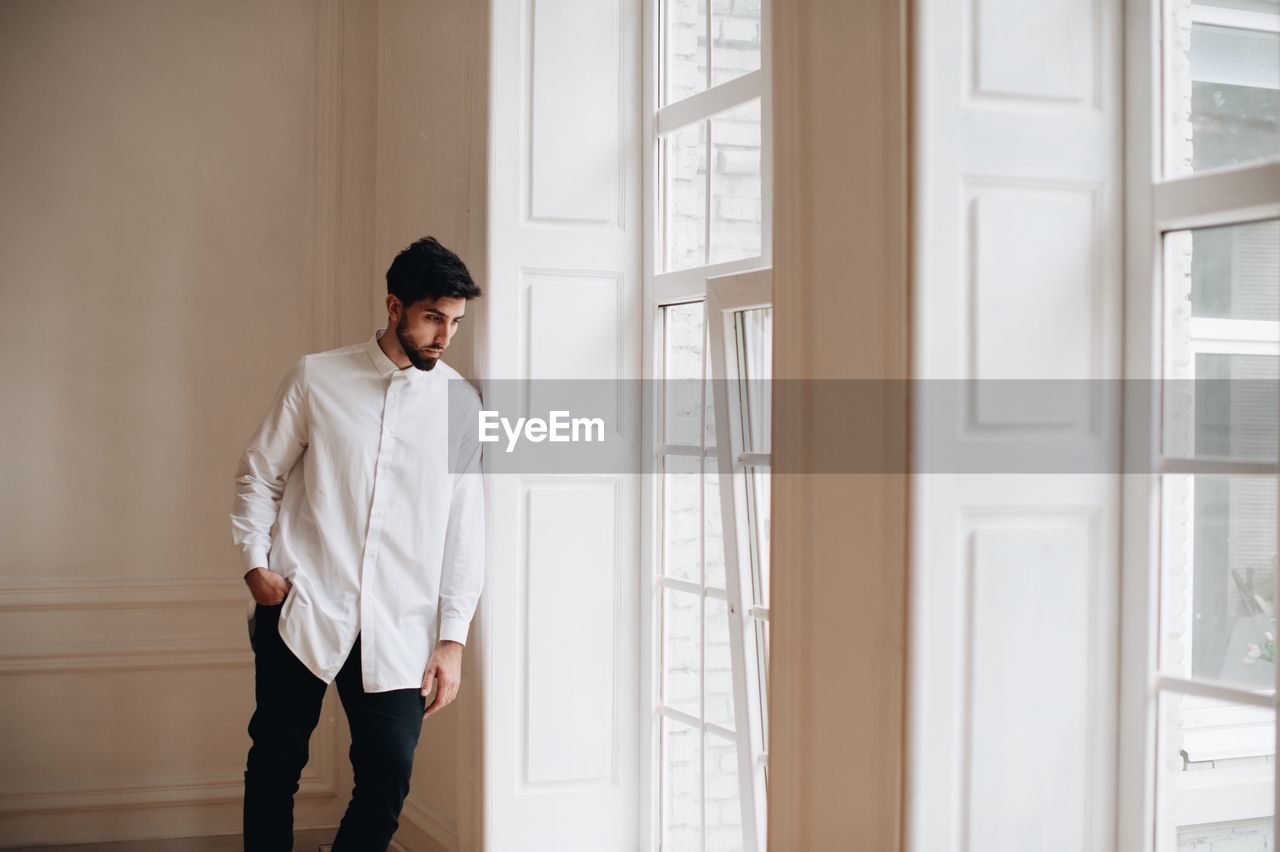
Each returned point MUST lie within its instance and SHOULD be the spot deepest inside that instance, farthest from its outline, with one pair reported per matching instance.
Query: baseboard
(303, 841)
(419, 834)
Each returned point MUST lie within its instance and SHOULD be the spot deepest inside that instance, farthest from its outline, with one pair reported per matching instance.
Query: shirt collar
(387, 368)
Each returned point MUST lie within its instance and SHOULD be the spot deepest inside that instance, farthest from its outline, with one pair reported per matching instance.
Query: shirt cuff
(453, 630)
(253, 558)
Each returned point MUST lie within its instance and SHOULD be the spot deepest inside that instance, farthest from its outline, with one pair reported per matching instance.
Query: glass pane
(736, 218)
(1218, 578)
(681, 518)
(755, 366)
(686, 48)
(1222, 341)
(758, 532)
(735, 30)
(680, 652)
(1215, 775)
(1233, 271)
(685, 199)
(709, 399)
(1225, 77)
(713, 526)
(1236, 400)
(724, 799)
(681, 788)
(762, 661)
(682, 359)
(719, 672)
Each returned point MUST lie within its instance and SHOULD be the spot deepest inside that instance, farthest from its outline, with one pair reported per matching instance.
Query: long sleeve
(280, 439)
(462, 572)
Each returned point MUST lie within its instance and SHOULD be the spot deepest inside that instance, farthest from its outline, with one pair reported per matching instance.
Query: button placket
(389, 412)
(374, 531)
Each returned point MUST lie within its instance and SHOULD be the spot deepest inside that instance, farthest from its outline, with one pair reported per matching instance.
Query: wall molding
(150, 654)
(313, 784)
(75, 593)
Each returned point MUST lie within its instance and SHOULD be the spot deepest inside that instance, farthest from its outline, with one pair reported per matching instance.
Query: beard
(418, 357)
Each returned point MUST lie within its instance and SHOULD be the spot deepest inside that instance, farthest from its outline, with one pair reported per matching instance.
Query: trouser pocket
(252, 619)
(256, 617)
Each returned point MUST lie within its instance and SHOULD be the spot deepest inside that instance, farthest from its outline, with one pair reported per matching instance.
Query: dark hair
(428, 270)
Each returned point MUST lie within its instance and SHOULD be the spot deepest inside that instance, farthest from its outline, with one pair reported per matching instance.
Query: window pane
(1219, 556)
(1215, 775)
(1225, 73)
(758, 531)
(724, 799)
(719, 672)
(735, 49)
(1233, 271)
(685, 198)
(681, 677)
(709, 399)
(1222, 341)
(682, 373)
(713, 526)
(762, 661)
(681, 518)
(1235, 406)
(686, 48)
(681, 788)
(755, 364)
(736, 221)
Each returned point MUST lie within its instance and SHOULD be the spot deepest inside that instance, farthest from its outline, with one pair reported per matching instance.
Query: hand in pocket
(267, 587)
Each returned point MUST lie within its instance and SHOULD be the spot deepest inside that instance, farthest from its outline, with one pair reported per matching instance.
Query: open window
(1205, 235)
(739, 318)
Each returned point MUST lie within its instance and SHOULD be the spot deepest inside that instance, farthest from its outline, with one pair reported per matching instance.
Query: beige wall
(839, 610)
(195, 193)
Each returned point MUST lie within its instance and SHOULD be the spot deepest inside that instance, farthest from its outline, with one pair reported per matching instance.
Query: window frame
(661, 289)
(1155, 206)
(726, 296)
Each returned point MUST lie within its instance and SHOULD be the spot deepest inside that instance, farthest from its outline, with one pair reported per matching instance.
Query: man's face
(426, 327)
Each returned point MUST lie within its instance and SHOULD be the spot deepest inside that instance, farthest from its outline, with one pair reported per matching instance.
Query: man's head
(428, 288)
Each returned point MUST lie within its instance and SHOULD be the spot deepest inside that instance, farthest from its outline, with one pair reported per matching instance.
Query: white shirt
(376, 534)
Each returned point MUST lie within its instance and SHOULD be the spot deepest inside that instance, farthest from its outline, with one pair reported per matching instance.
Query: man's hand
(445, 668)
(267, 587)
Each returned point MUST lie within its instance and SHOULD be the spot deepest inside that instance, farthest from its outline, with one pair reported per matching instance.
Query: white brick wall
(735, 206)
(691, 509)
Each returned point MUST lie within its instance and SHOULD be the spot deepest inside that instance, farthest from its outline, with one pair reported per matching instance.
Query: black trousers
(385, 727)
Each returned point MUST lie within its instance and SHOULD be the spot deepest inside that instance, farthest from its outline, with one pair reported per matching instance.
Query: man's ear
(393, 308)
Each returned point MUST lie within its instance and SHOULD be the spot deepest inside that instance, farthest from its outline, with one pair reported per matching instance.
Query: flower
(1254, 653)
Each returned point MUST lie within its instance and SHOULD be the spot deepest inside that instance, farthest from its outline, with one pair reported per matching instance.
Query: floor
(315, 840)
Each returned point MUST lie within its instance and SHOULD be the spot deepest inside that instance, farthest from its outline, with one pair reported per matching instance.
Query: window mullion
(1220, 197)
(1217, 691)
(713, 101)
(1202, 466)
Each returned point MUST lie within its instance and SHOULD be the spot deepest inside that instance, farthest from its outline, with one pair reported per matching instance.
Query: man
(368, 459)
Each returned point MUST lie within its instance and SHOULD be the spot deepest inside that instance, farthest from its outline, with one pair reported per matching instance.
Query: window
(707, 511)
(1205, 202)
